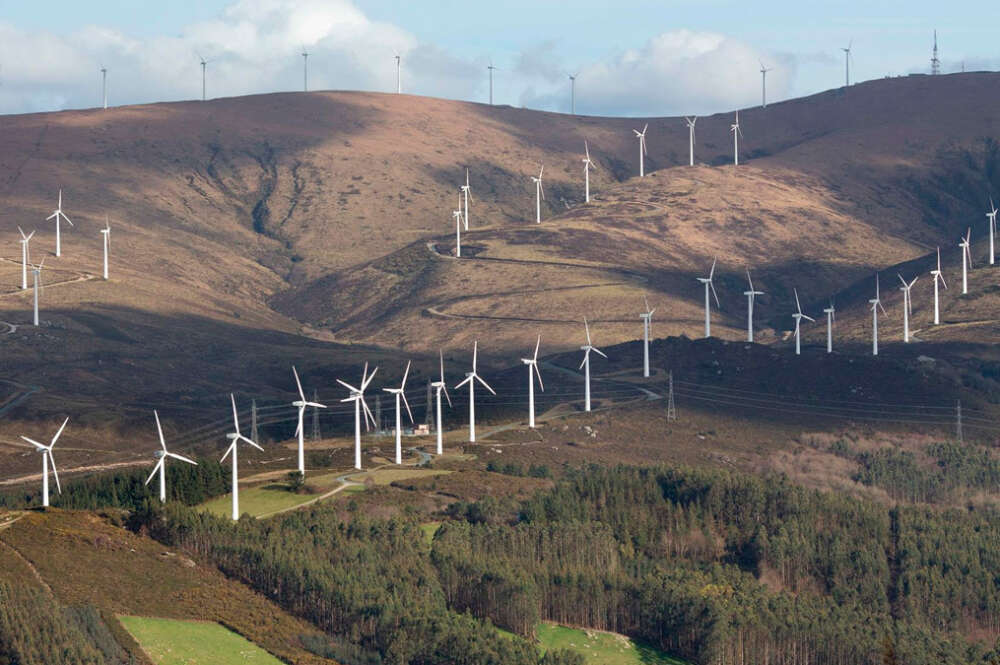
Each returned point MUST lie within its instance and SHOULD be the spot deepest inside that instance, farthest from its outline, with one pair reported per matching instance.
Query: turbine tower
(585, 365)
(301, 404)
(358, 397)
(471, 378)
(467, 192)
(25, 256)
(642, 148)
(798, 316)
(235, 437)
(588, 164)
(763, 84)
(831, 316)
(161, 461)
(400, 394)
(533, 372)
(751, 297)
(106, 238)
(647, 326)
(966, 261)
(992, 217)
(104, 86)
(572, 93)
(204, 64)
(876, 303)
(491, 68)
(57, 215)
(707, 281)
(737, 133)
(847, 63)
(36, 272)
(938, 276)
(457, 214)
(305, 69)
(907, 306)
(440, 386)
(690, 121)
(47, 461)
(399, 83)
(539, 195)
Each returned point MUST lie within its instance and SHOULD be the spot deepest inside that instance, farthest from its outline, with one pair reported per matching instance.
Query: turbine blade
(405, 374)
(538, 375)
(446, 396)
(52, 463)
(407, 405)
(251, 442)
(441, 356)
(34, 443)
(368, 380)
(797, 305)
(368, 415)
(236, 420)
(56, 437)
(155, 469)
(182, 458)
(717, 303)
(711, 273)
(537, 344)
(159, 430)
(348, 386)
(586, 355)
(475, 355)
(298, 383)
(228, 450)
(599, 352)
(462, 383)
(485, 385)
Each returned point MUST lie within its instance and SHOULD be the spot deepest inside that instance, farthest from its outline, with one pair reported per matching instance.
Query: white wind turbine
(847, 63)
(588, 164)
(204, 65)
(938, 276)
(440, 386)
(907, 306)
(161, 464)
(467, 193)
(763, 84)
(572, 93)
(539, 194)
(47, 461)
(585, 365)
(798, 316)
(876, 303)
(737, 133)
(690, 121)
(707, 281)
(302, 404)
(358, 397)
(751, 297)
(235, 437)
(992, 217)
(106, 233)
(25, 256)
(36, 272)
(966, 261)
(533, 372)
(57, 214)
(457, 214)
(647, 326)
(104, 85)
(305, 69)
(399, 83)
(831, 316)
(642, 148)
(400, 394)
(471, 378)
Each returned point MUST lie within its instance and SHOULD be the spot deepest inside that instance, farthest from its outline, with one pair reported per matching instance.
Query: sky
(630, 57)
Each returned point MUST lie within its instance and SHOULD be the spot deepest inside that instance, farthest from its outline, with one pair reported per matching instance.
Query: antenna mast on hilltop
(935, 62)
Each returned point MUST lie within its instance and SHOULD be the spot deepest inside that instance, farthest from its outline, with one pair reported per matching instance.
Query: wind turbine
(876, 303)
(737, 133)
(399, 85)
(47, 461)
(37, 274)
(358, 397)
(25, 255)
(847, 63)
(204, 64)
(647, 325)
(161, 464)
(588, 164)
(798, 316)
(907, 306)
(831, 316)
(235, 437)
(572, 93)
(707, 281)
(471, 378)
(467, 192)
(57, 214)
(642, 148)
(938, 275)
(992, 216)
(106, 233)
(491, 68)
(539, 195)
(751, 296)
(104, 86)
(966, 261)
(585, 365)
(457, 214)
(440, 386)
(305, 69)
(690, 121)
(398, 392)
(302, 403)
(533, 372)
(763, 84)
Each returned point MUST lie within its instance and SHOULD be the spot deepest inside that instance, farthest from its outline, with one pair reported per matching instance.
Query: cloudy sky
(632, 57)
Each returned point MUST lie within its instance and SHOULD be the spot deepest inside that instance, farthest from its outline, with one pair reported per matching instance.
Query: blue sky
(635, 56)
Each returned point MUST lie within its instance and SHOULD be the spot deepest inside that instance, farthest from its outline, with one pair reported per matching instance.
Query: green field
(257, 501)
(600, 648)
(429, 529)
(174, 642)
